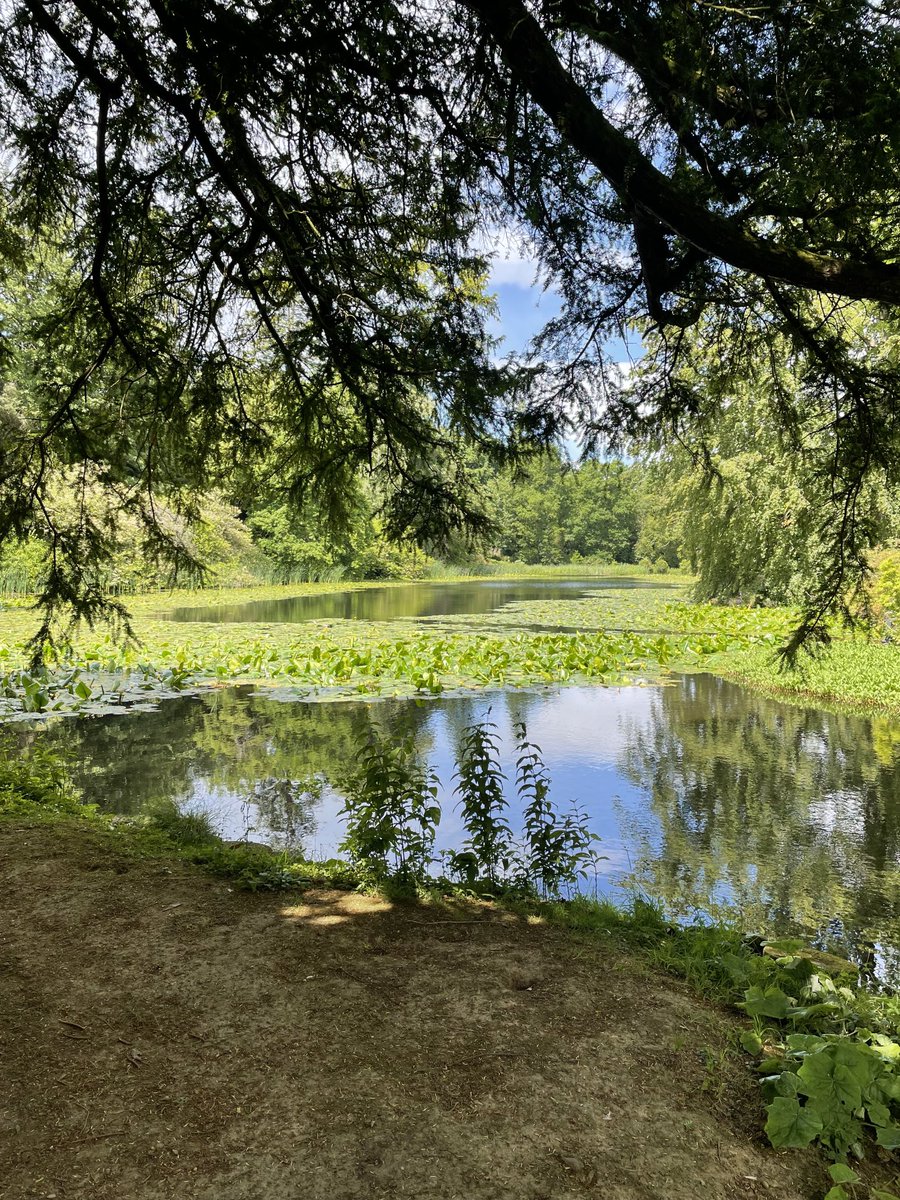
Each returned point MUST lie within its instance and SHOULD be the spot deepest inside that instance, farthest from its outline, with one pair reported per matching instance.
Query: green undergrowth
(38, 786)
(854, 672)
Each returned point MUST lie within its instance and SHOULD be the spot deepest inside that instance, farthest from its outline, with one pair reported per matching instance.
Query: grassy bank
(852, 673)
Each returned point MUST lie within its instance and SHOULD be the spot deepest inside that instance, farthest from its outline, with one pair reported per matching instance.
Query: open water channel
(705, 795)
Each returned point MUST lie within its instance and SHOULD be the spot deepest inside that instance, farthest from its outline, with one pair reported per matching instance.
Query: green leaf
(888, 1136)
(790, 1124)
(833, 1075)
(804, 1043)
(769, 1003)
(787, 1084)
(878, 1114)
(751, 1041)
(841, 1173)
(837, 1193)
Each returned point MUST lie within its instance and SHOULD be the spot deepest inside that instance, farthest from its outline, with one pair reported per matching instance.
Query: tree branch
(532, 60)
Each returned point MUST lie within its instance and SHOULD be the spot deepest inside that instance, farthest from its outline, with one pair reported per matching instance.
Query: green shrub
(38, 784)
(392, 813)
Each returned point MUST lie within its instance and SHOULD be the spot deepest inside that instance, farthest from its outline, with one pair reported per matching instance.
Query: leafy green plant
(829, 1089)
(392, 813)
(37, 785)
(557, 847)
(830, 1056)
(844, 1178)
(488, 849)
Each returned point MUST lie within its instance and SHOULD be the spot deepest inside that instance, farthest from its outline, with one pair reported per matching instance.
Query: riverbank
(166, 1034)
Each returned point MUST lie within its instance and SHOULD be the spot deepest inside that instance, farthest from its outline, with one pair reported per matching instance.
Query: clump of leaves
(488, 850)
(36, 785)
(847, 1183)
(830, 1057)
(392, 813)
(185, 828)
(557, 846)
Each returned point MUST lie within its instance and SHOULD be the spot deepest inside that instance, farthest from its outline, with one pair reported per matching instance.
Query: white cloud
(512, 256)
(522, 272)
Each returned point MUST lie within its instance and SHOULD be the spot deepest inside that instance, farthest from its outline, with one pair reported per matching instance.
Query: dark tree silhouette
(249, 239)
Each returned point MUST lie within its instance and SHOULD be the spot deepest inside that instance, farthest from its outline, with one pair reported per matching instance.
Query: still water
(706, 796)
(404, 601)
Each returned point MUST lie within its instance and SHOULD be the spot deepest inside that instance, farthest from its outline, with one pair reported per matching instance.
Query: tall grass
(273, 575)
(16, 583)
(514, 570)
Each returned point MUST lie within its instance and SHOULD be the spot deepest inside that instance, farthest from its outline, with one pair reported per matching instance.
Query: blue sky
(524, 309)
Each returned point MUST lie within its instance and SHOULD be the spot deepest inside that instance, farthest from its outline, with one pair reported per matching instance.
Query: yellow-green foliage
(36, 785)
(886, 584)
(853, 671)
(386, 658)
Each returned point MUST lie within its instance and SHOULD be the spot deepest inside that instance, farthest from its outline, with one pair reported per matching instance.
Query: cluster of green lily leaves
(607, 637)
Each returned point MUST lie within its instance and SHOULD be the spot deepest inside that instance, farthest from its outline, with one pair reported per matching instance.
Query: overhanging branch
(530, 57)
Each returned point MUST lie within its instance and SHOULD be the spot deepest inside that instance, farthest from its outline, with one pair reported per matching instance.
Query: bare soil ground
(164, 1036)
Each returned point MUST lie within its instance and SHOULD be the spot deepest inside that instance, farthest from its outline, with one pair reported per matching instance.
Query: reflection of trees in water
(226, 739)
(276, 760)
(506, 709)
(286, 807)
(793, 812)
(235, 741)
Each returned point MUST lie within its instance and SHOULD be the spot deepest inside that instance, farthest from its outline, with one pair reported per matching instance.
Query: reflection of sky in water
(579, 731)
(702, 793)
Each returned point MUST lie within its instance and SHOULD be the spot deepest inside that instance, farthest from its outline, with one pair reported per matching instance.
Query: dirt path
(163, 1036)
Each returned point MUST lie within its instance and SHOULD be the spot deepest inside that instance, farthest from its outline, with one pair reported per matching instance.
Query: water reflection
(404, 602)
(706, 796)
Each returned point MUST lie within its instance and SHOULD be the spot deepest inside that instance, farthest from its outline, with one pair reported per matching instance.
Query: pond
(403, 601)
(707, 797)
